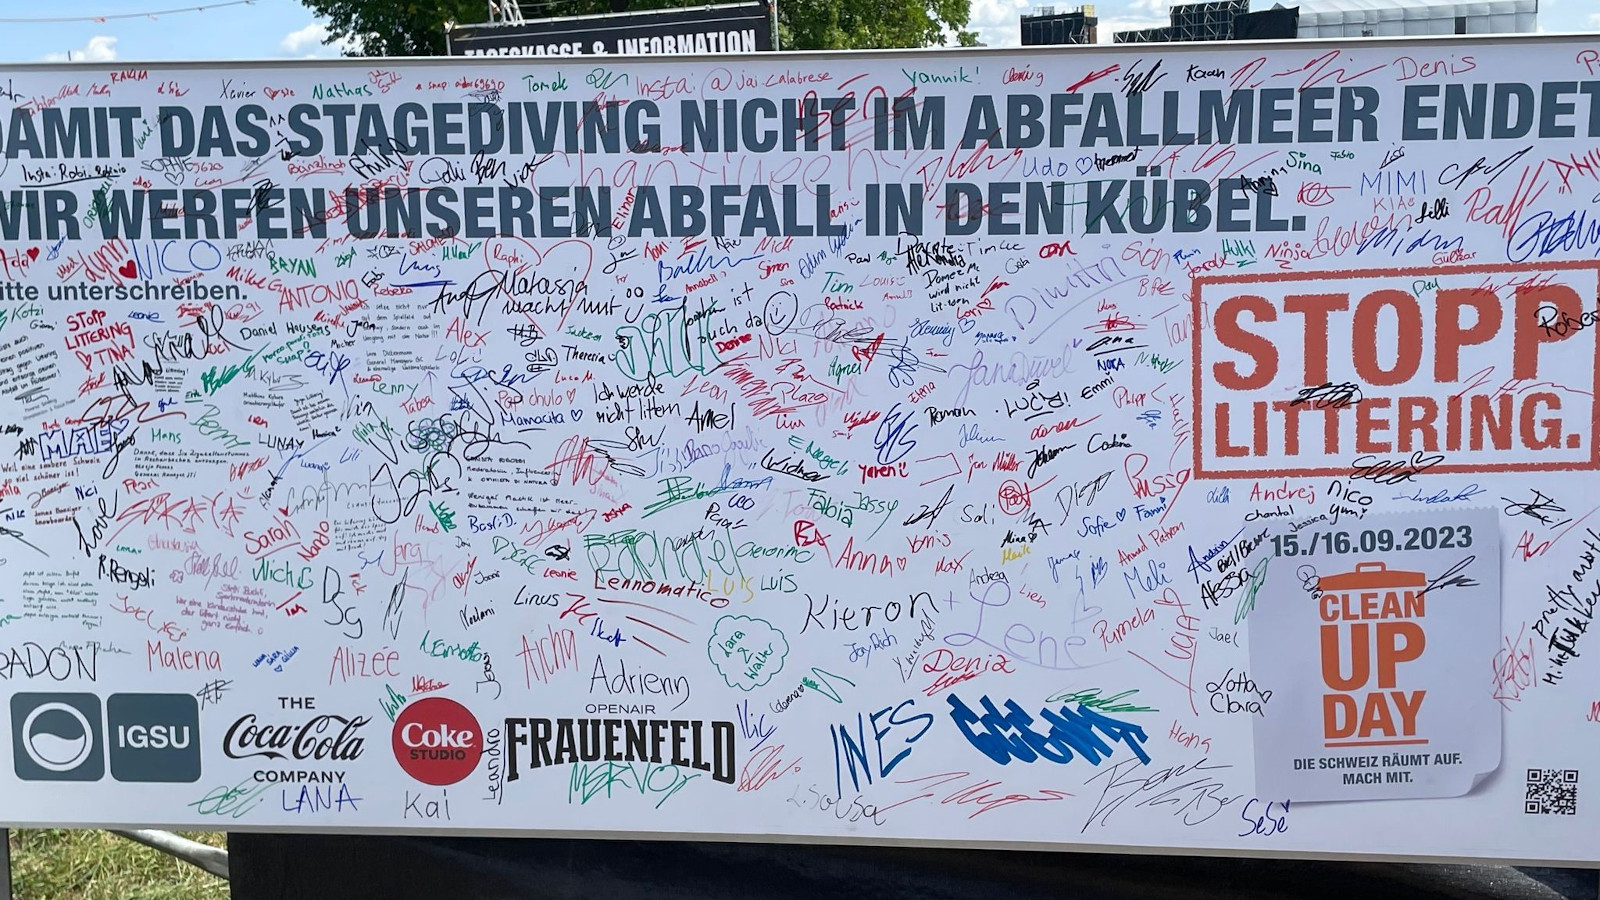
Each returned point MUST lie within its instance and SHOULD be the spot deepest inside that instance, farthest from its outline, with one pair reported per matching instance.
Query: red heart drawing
(33, 252)
(569, 258)
(868, 353)
(128, 269)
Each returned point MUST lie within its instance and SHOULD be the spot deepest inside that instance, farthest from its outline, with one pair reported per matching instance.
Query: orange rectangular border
(1201, 328)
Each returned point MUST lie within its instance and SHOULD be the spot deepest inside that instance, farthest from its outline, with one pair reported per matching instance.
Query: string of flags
(152, 14)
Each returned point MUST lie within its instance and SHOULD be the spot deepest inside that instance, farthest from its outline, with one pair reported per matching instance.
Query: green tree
(416, 27)
(871, 24)
(395, 27)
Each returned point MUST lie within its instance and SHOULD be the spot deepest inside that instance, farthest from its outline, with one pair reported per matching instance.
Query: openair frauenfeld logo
(437, 741)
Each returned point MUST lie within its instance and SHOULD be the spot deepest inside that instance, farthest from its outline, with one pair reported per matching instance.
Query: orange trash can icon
(1371, 575)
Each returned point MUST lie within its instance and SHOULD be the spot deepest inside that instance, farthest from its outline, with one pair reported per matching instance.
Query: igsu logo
(154, 737)
(149, 737)
(56, 737)
(437, 741)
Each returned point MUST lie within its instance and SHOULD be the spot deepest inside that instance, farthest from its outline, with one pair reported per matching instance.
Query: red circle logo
(437, 741)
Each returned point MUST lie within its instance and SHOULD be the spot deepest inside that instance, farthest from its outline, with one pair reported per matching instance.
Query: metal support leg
(5, 864)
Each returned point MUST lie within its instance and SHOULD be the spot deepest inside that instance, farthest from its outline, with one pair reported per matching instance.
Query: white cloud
(998, 22)
(1594, 20)
(1109, 27)
(1153, 7)
(101, 48)
(312, 42)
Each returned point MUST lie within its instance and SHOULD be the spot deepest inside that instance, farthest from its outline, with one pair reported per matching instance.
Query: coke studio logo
(437, 741)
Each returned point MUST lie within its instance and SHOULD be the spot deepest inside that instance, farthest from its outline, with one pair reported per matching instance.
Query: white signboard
(1178, 448)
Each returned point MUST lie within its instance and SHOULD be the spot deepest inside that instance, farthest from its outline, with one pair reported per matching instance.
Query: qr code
(1552, 792)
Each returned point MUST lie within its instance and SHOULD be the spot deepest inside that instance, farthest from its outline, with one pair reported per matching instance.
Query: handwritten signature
(1541, 509)
(233, 802)
(1193, 797)
(978, 793)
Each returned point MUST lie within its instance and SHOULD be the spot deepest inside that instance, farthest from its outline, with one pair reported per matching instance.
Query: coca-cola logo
(437, 741)
(321, 737)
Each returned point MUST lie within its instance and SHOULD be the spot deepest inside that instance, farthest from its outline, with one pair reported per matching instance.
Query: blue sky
(284, 29)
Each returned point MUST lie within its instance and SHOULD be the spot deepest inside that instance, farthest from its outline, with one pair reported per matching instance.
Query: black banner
(728, 28)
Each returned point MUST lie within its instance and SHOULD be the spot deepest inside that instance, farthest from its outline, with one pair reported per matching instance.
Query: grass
(62, 864)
